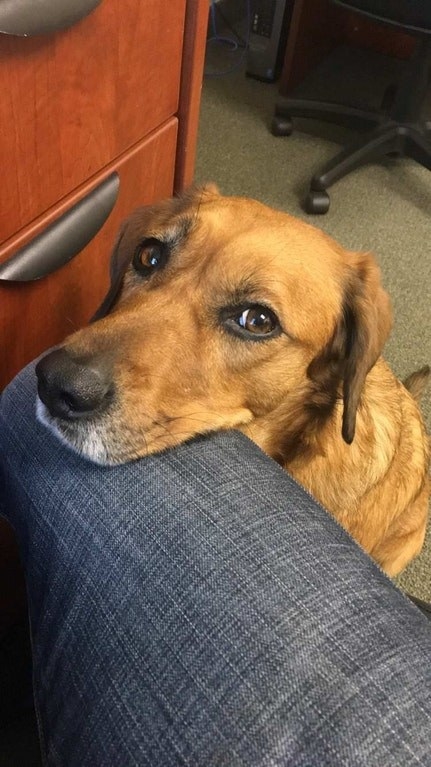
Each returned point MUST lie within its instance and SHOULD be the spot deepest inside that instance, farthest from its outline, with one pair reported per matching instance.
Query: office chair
(397, 129)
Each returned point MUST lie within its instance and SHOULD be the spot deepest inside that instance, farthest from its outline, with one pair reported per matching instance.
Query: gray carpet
(384, 208)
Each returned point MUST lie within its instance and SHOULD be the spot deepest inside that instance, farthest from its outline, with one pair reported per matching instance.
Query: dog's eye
(254, 322)
(150, 256)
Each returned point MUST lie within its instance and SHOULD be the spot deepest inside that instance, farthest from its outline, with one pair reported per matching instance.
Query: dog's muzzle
(73, 389)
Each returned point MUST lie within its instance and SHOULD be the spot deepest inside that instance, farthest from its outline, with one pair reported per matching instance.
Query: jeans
(199, 608)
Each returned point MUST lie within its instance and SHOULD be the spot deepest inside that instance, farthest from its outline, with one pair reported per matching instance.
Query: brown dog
(224, 313)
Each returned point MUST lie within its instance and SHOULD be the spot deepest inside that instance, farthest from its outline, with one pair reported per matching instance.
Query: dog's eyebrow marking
(178, 233)
(248, 290)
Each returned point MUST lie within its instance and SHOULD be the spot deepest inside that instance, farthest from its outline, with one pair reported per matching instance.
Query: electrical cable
(235, 44)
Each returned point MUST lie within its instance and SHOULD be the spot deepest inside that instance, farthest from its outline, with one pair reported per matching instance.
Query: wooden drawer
(35, 315)
(72, 101)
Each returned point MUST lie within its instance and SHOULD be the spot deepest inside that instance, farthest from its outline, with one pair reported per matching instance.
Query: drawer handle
(26, 18)
(65, 238)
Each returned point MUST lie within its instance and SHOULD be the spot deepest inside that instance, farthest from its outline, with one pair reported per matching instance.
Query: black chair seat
(414, 15)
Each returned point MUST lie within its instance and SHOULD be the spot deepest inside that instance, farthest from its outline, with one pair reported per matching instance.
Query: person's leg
(198, 607)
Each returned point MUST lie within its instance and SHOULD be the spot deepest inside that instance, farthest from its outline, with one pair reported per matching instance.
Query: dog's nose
(71, 388)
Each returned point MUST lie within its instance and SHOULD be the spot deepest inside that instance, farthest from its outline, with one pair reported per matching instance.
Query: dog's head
(222, 313)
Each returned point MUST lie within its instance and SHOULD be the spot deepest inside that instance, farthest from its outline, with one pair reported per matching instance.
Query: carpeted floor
(384, 208)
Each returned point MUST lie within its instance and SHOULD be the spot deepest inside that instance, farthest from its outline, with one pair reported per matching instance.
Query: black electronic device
(269, 26)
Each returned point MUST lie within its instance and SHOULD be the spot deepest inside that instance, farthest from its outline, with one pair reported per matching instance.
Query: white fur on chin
(91, 445)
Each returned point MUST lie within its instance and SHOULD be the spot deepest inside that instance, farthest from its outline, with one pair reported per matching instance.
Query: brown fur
(317, 397)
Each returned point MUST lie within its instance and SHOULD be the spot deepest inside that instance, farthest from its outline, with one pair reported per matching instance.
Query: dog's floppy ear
(118, 266)
(367, 322)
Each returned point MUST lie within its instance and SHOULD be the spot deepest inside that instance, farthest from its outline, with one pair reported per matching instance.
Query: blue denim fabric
(199, 608)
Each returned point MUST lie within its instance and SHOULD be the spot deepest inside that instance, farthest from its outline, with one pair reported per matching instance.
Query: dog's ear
(367, 321)
(211, 188)
(118, 266)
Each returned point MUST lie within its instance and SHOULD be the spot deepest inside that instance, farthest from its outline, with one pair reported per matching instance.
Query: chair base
(397, 130)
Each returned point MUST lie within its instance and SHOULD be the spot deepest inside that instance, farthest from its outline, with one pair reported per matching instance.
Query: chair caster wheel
(281, 126)
(317, 202)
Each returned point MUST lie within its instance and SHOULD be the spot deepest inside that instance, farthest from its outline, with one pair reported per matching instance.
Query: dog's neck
(308, 443)
(300, 426)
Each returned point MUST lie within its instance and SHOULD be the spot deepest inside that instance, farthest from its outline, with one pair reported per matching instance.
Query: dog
(226, 314)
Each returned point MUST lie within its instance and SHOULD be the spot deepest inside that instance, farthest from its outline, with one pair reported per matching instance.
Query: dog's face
(222, 313)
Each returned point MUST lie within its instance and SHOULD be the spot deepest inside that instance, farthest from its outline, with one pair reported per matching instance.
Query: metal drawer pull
(26, 18)
(65, 238)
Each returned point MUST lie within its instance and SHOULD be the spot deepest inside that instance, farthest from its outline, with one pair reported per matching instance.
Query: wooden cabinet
(64, 300)
(113, 93)
(109, 103)
(78, 100)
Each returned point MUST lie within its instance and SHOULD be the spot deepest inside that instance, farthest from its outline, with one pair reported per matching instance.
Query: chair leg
(418, 148)
(378, 142)
(372, 146)
(351, 117)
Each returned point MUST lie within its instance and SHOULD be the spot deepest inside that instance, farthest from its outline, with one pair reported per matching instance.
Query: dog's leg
(398, 549)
